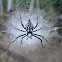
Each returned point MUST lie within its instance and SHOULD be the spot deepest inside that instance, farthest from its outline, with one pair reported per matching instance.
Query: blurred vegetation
(56, 39)
(2, 18)
(6, 58)
(60, 31)
(14, 3)
(43, 4)
(48, 4)
(4, 5)
(24, 4)
(35, 4)
(58, 5)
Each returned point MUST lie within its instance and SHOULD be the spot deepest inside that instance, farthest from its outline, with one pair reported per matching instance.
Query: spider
(29, 32)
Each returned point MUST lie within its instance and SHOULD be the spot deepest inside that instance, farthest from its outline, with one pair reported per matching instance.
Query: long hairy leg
(36, 24)
(42, 37)
(22, 24)
(17, 38)
(39, 39)
(37, 29)
(22, 38)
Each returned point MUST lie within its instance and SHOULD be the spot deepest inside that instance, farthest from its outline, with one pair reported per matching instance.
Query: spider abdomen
(29, 34)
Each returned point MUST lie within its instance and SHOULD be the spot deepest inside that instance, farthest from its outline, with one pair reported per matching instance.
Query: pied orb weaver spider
(29, 32)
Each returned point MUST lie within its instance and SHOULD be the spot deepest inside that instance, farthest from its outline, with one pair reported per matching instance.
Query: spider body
(29, 34)
(29, 31)
(29, 26)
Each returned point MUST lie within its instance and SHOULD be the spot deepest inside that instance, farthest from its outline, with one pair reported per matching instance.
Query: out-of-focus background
(53, 13)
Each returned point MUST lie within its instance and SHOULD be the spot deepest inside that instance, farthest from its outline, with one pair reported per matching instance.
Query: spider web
(30, 44)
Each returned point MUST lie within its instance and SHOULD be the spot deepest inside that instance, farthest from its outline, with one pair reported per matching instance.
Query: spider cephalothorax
(29, 31)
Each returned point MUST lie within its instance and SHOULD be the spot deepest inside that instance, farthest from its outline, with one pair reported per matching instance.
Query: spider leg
(36, 24)
(22, 24)
(37, 29)
(42, 37)
(22, 38)
(39, 39)
(19, 29)
(17, 38)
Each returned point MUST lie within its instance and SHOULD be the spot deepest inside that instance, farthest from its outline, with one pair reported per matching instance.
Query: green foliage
(14, 3)
(24, 3)
(58, 5)
(5, 55)
(4, 5)
(2, 18)
(1, 60)
(35, 4)
(12, 60)
(43, 4)
(60, 31)
(21, 57)
(56, 39)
